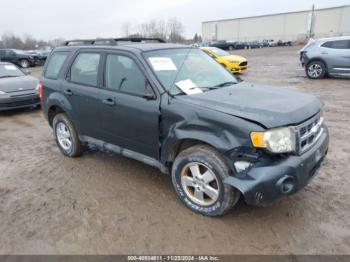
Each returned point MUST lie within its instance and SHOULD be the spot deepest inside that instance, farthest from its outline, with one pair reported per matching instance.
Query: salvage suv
(175, 108)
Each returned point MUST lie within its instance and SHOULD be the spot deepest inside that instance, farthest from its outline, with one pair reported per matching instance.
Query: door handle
(109, 101)
(68, 92)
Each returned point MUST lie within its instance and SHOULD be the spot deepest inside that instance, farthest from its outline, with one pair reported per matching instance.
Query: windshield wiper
(230, 83)
(219, 85)
(7, 76)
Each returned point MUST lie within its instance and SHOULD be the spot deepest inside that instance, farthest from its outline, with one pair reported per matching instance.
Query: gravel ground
(106, 204)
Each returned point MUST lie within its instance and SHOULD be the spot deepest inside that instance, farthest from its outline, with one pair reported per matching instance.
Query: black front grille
(20, 103)
(243, 63)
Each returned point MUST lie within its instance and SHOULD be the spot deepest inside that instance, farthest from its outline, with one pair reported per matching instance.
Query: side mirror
(149, 94)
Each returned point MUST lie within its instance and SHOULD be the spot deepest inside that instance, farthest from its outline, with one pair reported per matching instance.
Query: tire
(230, 48)
(316, 70)
(24, 63)
(192, 191)
(66, 136)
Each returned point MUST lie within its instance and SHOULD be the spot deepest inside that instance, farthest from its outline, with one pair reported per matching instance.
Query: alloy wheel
(315, 70)
(64, 136)
(200, 184)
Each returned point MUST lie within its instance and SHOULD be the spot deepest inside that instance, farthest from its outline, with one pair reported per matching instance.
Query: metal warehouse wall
(288, 26)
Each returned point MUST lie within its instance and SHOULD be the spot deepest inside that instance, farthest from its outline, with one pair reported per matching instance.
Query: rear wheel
(316, 70)
(66, 136)
(198, 174)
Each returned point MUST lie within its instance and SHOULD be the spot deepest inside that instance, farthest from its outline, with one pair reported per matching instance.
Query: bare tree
(171, 30)
(176, 30)
(126, 29)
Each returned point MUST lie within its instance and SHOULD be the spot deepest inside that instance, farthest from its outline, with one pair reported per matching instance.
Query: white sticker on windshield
(10, 67)
(188, 87)
(162, 64)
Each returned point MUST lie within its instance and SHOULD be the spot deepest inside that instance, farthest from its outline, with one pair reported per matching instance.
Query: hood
(269, 106)
(235, 58)
(20, 83)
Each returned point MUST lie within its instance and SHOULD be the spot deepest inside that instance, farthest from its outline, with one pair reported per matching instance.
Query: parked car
(234, 63)
(239, 45)
(284, 43)
(254, 44)
(18, 57)
(175, 108)
(223, 45)
(39, 56)
(17, 89)
(326, 56)
(270, 42)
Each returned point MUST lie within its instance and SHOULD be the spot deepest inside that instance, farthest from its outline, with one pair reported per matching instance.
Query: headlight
(279, 140)
(2, 93)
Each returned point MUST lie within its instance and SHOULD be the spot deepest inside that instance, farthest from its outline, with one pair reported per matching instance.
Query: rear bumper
(20, 100)
(264, 185)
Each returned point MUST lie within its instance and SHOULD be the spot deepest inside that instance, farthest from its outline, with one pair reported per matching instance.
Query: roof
(332, 38)
(291, 12)
(127, 47)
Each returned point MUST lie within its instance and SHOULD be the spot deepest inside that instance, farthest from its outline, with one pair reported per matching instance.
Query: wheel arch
(57, 103)
(318, 59)
(182, 144)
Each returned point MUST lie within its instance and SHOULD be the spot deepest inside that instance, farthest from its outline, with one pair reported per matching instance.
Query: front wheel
(197, 175)
(316, 70)
(24, 63)
(66, 136)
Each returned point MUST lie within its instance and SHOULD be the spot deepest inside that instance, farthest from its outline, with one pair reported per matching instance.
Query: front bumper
(17, 100)
(239, 68)
(265, 184)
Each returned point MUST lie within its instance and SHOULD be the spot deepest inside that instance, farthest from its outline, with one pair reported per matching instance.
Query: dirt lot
(106, 204)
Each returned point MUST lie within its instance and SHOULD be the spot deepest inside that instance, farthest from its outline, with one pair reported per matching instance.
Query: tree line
(9, 40)
(171, 30)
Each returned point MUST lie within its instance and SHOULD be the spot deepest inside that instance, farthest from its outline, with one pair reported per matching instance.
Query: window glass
(190, 66)
(10, 70)
(341, 44)
(55, 64)
(123, 74)
(85, 69)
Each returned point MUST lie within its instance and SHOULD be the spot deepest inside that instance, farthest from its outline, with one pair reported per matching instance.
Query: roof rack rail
(113, 41)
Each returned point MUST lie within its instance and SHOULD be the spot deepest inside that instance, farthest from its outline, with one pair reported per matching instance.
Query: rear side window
(55, 64)
(123, 74)
(341, 44)
(85, 69)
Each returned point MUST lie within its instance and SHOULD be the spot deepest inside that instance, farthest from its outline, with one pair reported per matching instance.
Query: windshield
(182, 69)
(219, 52)
(8, 70)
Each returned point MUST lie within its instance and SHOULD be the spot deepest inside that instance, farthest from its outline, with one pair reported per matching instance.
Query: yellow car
(234, 63)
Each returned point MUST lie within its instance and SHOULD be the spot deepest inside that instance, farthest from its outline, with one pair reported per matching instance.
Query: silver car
(326, 56)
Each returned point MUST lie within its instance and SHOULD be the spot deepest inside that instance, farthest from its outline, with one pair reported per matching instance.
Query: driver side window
(124, 75)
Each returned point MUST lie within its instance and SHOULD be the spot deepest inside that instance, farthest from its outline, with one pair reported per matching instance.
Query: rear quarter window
(55, 64)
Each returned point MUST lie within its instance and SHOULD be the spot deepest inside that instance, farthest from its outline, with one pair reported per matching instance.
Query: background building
(292, 26)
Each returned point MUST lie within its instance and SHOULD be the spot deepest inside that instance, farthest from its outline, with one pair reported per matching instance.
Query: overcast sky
(48, 19)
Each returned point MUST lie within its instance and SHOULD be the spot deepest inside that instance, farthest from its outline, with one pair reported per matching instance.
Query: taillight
(41, 91)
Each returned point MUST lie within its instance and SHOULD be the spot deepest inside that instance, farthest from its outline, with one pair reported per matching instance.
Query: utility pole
(311, 24)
